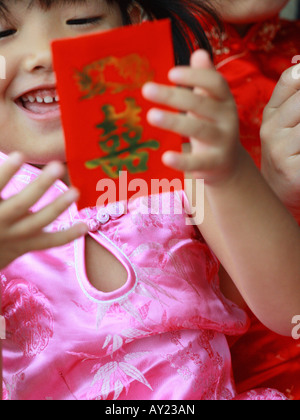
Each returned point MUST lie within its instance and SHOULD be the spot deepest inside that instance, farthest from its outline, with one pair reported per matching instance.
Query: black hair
(188, 18)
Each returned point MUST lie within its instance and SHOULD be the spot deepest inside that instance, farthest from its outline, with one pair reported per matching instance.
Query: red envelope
(113, 154)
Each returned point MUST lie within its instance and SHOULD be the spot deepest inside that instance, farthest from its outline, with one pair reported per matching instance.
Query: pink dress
(162, 336)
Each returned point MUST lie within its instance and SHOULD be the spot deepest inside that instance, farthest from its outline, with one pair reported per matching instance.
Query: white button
(103, 216)
(93, 225)
(116, 210)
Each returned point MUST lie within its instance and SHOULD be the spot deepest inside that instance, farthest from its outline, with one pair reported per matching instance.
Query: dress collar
(259, 38)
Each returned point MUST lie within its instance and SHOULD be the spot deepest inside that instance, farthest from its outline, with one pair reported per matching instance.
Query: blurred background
(292, 10)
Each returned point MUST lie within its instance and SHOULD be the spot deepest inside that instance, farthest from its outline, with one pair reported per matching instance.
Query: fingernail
(16, 158)
(82, 229)
(150, 90)
(55, 169)
(169, 158)
(72, 195)
(155, 116)
(175, 75)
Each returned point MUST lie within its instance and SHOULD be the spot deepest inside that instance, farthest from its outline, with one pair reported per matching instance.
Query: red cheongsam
(253, 65)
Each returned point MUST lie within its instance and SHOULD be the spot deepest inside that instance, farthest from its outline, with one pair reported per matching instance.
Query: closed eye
(85, 21)
(7, 33)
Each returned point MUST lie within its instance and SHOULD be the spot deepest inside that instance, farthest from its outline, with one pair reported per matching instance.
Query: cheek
(39, 146)
(3, 68)
(10, 134)
(8, 126)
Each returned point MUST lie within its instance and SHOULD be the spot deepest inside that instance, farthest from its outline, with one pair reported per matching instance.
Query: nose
(39, 57)
(39, 62)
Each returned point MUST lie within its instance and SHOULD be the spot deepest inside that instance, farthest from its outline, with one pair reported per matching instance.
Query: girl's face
(29, 111)
(248, 11)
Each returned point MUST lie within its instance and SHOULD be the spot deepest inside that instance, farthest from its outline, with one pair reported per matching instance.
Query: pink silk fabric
(162, 336)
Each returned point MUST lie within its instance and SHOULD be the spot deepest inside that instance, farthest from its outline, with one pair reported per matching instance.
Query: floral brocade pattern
(252, 65)
(29, 320)
(159, 337)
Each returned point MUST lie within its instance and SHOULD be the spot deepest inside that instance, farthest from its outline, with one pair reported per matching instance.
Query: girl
(130, 308)
(256, 48)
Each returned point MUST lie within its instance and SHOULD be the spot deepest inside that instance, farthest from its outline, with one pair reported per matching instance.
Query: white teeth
(48, 100)
(40, 100)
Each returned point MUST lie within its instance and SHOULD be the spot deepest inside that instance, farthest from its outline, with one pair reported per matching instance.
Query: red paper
(99, 78)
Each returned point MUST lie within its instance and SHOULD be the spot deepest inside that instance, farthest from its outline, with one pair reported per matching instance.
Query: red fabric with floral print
(253, 65)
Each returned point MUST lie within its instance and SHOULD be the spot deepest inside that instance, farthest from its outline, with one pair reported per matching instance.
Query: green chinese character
(134, 157)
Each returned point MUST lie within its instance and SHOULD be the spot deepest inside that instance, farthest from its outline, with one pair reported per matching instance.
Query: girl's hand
(208, 118)
(22, 231)
(280, 135)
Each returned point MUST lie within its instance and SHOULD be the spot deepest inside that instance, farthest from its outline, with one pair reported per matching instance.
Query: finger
(9, 168)
(182, 99)
(53, 240)
(288, 147)
(294, 164)
(289, 114)
(293, 144)
(287, 86)
(191, 162)
(208, 80)
(185, 125)
(36, 222)
(18, 206)
(200, 59)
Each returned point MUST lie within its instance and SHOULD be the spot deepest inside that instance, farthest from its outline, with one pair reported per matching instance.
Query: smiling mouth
(40, 102)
